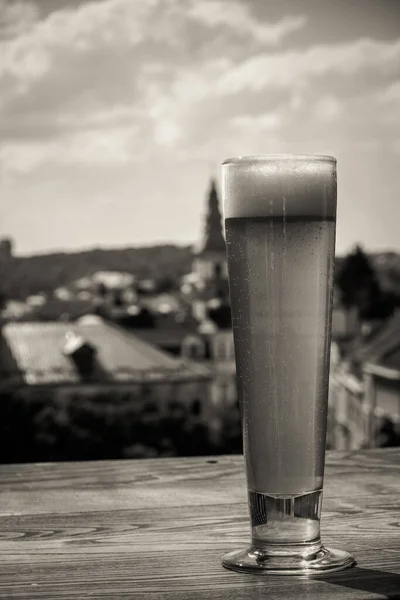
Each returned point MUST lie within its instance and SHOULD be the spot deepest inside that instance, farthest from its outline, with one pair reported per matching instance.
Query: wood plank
(211, 527)
(195, 574)
(158, 528)
(73, 487)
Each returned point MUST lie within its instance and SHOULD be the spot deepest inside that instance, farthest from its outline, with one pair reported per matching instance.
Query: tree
(221, 316)
(358, 283)
(388, 435)
(166, 284)
(384, 305)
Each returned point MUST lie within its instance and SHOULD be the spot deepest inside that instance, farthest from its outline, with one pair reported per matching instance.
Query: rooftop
(382, 340)
(35, 353)
(382, 346)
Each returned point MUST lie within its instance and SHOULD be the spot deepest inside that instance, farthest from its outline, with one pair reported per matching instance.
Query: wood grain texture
(157, 529)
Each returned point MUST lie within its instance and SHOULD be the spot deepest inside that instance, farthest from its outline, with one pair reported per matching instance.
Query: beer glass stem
(286, 524)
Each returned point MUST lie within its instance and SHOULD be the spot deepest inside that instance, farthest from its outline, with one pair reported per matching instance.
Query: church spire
(213, 239)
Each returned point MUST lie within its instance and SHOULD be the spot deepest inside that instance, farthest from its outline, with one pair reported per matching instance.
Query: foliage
(357, 280)
(221, 316)
(26, 276)
(231, 438)
(388, 434)
(43, 427)
(166, 284)
(383, 305)
(360, 286)
(54, 310)
(387, 267)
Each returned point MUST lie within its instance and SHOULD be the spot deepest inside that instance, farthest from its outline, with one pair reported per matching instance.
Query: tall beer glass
(280, 217)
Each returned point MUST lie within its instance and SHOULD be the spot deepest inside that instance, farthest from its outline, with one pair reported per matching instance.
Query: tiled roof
(391, 360)
(382, 346)
(36, 350)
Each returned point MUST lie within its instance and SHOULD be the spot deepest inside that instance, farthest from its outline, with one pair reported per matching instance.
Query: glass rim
(311, 158)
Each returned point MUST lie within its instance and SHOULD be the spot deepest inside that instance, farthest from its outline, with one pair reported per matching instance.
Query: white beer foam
(279, 185)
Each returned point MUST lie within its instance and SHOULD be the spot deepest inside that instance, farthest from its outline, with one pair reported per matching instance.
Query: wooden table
(157, 529)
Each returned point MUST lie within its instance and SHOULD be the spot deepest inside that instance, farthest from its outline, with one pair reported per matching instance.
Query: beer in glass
(280, 217)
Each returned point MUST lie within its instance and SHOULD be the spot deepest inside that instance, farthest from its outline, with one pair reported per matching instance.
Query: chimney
(81, 352)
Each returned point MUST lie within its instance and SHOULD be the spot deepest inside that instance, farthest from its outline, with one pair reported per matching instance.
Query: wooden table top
(158, 528)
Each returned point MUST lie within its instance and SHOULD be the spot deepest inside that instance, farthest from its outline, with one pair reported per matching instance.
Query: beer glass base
(298, 562)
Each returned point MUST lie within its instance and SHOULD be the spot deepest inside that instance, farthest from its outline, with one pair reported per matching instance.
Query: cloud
(294, 69)
(259, 123)
(118, 146)
(97, 83)
(302, 76)
(16, 17)
(167, 133)
(237, 17)
(329, 84)
(328, 108)
(390, 94)
(120, 26)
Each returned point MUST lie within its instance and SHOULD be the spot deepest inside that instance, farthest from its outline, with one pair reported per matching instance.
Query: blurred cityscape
(129, 353)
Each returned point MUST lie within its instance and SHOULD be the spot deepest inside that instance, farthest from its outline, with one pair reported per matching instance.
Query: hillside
(21, 277)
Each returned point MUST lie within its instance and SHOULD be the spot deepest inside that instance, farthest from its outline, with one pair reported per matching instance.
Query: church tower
(210, 261)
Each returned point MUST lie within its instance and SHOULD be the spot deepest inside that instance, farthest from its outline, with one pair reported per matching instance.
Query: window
(196, 407)
(194, 348)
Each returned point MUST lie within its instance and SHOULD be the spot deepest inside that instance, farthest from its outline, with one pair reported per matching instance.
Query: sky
(114, 114)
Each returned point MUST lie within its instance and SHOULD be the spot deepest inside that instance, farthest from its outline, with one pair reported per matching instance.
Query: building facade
(210, 271)
(365, 390)
(94, 359)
